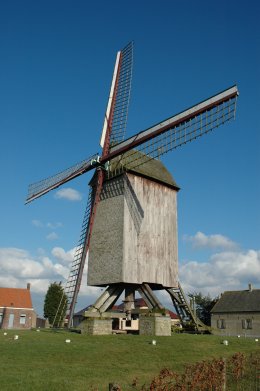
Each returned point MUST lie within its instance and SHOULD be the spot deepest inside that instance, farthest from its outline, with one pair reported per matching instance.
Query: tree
(203, 305)
(55, 304)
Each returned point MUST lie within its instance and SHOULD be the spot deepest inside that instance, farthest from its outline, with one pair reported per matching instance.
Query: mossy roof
(238, 301)
(150, 168)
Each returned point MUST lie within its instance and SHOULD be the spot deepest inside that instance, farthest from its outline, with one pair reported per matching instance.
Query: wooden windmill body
(130, 224)
(134, 238)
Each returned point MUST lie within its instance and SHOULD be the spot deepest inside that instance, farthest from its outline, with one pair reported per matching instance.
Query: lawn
(43, 361)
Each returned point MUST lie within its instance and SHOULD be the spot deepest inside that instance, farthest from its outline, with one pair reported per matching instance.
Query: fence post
(224, 374)
(114, 387)
(257, 376)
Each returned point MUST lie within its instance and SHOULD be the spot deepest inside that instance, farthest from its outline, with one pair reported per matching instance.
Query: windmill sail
(107, 120)
(113, 132)
(118, 101)
(177, 130)
(40, 188)
(120, 113)
(76, 271)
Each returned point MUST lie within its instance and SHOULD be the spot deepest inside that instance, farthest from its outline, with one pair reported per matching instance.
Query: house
(16, 310)
(122, 323)
(237, 313)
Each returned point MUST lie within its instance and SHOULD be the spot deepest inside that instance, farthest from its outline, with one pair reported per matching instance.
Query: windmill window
(247, 324)
(22, 319)
(128, 323)
(221, 324)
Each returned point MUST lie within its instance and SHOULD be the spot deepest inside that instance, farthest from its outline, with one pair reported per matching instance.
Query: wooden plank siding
(134, 238)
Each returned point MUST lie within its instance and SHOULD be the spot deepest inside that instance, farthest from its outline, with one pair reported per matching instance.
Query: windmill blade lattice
(76, 271)
(115, 123)
(177, 130)
(42, 187)
(120, 110)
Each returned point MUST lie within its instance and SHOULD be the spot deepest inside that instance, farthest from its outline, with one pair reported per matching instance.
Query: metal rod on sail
(168, 124)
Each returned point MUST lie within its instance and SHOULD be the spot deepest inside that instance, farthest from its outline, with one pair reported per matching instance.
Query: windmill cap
(150, 168)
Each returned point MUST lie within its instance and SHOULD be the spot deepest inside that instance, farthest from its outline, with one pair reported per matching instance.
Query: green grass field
(43, 361)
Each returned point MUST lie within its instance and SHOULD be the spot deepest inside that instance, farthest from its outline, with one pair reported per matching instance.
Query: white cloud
(40, 287)
(11, 282)
(18, 263)
(54, 225)
(68, 194)
(87, 294)
(228, 270)
(200, 240)
(40, 224)
(244, 266)
(52, 236)
(18, 267)
(63, 256)
(37, 223)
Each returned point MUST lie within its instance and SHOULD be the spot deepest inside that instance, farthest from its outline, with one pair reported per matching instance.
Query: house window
(247, 324)
(22, 319)
(1, 318)
(221, 324)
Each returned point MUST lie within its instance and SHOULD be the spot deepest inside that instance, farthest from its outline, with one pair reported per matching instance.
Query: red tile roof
(15, 297)
(173, 315)
(139, 303)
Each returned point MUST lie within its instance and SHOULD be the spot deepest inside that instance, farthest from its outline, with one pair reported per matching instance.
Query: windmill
(117, 206)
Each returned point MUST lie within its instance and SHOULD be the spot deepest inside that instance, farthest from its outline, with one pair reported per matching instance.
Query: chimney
(28, 286)
(250, 287)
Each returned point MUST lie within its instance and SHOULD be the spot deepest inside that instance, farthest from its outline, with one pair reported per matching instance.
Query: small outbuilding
(237, 313)
(16, 310)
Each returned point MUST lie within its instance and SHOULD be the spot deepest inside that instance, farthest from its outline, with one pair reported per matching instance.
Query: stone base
(155, 325)
(96, 326)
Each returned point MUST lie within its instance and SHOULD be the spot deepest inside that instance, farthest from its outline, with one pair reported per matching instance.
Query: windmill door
(11, 321)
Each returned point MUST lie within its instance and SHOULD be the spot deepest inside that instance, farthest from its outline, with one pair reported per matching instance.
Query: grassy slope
(43, 361)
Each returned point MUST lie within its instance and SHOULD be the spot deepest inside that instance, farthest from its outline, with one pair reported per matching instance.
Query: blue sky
(56, 65)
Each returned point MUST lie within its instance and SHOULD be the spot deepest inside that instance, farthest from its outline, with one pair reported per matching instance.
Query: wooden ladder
(184, 310)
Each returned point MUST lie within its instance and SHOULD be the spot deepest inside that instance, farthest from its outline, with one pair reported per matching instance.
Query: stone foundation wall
(96, 326)
(155, 325)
